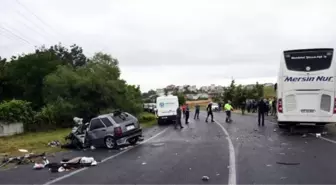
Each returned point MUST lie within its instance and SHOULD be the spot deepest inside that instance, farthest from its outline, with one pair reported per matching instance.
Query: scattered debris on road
(318, 135)
(23, 150)
(143, 163)
(304, 135)
(71, 164)
(268, 165)
(189, 168)
(283, 178)
(217, 174)
(287, 163)
(55, 143)
(92, 147)
(205, 178)
(274, 130)
(25, 159)
(158, 144)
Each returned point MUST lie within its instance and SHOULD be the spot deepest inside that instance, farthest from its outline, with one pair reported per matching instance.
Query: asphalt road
(250, 155)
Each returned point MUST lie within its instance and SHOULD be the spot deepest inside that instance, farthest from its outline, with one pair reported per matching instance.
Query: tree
(181, 99)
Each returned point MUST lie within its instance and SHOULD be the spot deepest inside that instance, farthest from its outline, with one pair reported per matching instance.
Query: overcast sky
(162, 42)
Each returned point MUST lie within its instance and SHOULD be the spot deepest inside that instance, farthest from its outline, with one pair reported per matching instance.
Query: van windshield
(308, 60)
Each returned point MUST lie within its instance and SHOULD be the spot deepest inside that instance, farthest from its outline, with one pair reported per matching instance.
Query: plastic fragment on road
(189, 168)
(268, 165)
(38, 166)
(304, 135)
(144, 163)
(23, 150)
(217, 174)
(205, 178)
(274, 130)
(282, 154)
(283, 178)
(318, 135)
(92, 147)
(61, 169)
(287, 163)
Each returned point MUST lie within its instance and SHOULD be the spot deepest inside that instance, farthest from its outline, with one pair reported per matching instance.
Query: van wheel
(134, 140)
(110, 143)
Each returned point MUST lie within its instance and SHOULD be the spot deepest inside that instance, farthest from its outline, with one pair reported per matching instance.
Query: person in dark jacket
(274, 106)
(178, 117)
(261, 111)
(197, 111)
(209, 110)
(187, 112)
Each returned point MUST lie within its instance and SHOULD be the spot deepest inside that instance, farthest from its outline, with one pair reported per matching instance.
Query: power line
(15, 35)
(25, 7)
(39, 31)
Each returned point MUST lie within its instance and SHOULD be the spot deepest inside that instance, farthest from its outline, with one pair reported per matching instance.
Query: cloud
(175, 41)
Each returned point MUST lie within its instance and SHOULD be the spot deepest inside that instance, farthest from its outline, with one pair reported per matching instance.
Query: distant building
(212, 87)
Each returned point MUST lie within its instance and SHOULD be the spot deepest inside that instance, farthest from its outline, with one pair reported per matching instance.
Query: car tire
(110, 143)
(134, 140)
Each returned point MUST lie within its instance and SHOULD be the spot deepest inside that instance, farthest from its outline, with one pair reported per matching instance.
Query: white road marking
(104, 160)
(232, 163)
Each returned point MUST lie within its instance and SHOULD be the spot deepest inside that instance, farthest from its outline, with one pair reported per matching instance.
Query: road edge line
(104, 160)
(232, 156)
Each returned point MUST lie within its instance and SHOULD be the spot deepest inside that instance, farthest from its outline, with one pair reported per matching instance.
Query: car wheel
(110, 143)
(133, 141)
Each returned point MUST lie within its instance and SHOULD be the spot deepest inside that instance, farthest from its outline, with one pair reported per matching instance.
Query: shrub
(16, 111)
(146, 117)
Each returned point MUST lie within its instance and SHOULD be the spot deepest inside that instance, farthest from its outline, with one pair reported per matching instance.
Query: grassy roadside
(33, 142)
(38, 142)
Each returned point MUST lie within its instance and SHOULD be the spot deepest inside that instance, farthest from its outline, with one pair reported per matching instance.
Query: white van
(306, 87)
(166, 108)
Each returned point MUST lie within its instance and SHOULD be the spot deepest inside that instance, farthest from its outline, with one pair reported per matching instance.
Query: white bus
(306, 87)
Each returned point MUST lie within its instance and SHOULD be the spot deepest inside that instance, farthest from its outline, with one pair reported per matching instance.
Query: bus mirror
(275, 86)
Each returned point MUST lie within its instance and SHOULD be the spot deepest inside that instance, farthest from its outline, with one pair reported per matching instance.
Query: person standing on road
(178, 117)
(209, 110)
(187, 112)
(197, 111)
(267, 107)
(228, 108)
(261, 111)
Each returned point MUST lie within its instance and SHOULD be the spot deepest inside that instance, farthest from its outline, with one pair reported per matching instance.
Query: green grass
(33, 142)
(149, 124)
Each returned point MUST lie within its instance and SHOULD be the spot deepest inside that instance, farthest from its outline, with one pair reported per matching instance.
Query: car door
(96, 132)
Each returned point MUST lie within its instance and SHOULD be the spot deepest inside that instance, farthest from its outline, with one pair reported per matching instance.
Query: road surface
(236, 153)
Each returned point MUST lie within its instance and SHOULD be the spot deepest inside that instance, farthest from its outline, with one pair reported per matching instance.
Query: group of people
(252, 106)
(185, 112)
(263, 107)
